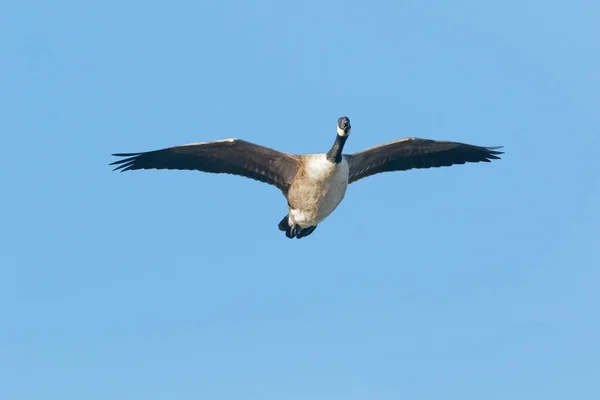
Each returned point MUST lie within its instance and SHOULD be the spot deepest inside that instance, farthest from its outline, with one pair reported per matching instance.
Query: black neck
(335, 154)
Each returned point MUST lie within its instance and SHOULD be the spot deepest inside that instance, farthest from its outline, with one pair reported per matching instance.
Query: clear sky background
(477, 281)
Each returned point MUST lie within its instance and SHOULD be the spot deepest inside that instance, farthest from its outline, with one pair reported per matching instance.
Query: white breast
(319, 168)
(322, 192)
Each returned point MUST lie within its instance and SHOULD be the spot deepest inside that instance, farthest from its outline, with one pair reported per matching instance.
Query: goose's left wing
(409, 153)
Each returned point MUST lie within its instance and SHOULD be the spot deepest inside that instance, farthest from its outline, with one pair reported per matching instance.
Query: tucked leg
(306, 231)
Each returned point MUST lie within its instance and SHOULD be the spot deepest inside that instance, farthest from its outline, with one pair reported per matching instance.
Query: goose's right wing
(230, 156)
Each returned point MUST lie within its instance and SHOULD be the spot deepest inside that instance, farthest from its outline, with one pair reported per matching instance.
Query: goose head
(343, 126)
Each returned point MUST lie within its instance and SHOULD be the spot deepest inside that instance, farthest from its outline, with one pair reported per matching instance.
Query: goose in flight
(313, 184)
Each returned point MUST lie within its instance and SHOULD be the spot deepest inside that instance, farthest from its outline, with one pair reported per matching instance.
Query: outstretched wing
(409, 153)
(230, 156)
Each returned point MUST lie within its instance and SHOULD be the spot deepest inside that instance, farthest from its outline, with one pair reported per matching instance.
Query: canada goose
(314, 184)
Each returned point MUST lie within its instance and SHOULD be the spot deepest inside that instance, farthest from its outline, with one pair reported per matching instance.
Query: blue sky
(470, 282)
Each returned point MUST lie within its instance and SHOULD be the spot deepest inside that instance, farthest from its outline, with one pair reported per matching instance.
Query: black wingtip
(493, 153)
(124, 164)
(125, 154)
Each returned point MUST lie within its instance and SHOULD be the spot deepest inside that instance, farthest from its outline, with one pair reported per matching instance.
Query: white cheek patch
(341, 132)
